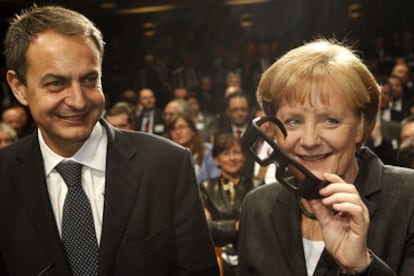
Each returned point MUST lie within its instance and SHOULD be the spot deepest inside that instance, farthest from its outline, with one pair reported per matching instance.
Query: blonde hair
(319, 69)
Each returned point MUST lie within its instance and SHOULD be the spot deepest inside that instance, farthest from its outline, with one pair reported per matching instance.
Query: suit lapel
(286, 226)
(31, 185)
(121, 188)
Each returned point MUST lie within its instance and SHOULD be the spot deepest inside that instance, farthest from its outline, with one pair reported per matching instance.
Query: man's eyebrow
(90, 73)
(62, 77)
(52, 76)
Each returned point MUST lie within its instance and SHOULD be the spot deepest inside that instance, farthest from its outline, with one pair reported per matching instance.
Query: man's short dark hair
(29, 23)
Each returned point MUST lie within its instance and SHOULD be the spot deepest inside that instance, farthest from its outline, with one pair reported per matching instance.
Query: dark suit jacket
(270, 240)
(158, 126)
(153, 221)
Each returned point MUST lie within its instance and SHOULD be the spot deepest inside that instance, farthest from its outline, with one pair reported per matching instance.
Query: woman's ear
(17, 86)
(360, 129)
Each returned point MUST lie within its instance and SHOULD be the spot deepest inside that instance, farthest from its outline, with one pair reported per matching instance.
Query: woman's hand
(345, 234)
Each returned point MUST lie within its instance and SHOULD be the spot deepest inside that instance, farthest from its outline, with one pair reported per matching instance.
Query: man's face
(119, 121)
(402, 71)
(238, 111)
(16, 118)
(386, 96)
(63, 89)
(407, 131)
(147, 99)
(397, 87)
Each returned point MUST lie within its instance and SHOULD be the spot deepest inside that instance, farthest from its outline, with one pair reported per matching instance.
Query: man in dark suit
(150, 118)
(140, 221)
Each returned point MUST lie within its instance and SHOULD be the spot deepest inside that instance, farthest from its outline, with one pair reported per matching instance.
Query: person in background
(176, 106)
(207, 95)
(204, 121)
(121, 116)
(328, 101)
(222, 197)
(16, 117)
(386, 112)
(405, 153)
(150, 118)
(237, 115)
(180, 92)
(138, 210)
(407, 128)
(7, 135)
(399, 101)
(183, 131)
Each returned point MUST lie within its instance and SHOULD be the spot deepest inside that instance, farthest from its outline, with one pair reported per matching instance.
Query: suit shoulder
(264, 192)
(152, 141)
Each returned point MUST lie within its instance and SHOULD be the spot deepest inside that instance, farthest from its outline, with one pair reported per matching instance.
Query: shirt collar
(92, 154)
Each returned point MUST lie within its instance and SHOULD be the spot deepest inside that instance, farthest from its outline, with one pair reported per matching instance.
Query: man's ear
(17, 86)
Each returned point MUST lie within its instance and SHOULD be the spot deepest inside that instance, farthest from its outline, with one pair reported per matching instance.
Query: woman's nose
(310, 136)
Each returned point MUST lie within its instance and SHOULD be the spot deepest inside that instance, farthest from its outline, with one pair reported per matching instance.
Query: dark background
(190, 31)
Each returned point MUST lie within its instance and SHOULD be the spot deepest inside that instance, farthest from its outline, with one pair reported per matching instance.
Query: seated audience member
(149, 118)
(399, 101)
(182, 130)
(380, 144)
(386, 112)
(222, 197)
(237, 117)
(121, 116)
(16, 117)
(7, 135)
(176, 106)
(204, 121)
(405, 153)
(407, 128)
(207, 95)
(180, 92)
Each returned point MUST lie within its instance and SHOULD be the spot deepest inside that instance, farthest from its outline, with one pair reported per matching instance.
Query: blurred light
(108, 5)
(244, 2)
(355, 11)
(146, 9)
(246, 20)
(149, 29)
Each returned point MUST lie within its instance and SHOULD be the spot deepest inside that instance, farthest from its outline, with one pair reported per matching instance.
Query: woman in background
(182, 130)
(222, 197)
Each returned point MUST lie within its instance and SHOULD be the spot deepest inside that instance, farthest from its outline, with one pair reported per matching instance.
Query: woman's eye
(292, 122)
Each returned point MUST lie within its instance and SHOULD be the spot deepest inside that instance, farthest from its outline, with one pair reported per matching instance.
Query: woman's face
(322, 137)
(182, 133)
(231, 160)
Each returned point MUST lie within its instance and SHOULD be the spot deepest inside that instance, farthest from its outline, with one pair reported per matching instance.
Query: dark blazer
(158, 126)
(153, 221)
(270, 240)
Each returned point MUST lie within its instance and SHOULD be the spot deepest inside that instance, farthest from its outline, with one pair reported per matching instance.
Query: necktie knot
(71, 172)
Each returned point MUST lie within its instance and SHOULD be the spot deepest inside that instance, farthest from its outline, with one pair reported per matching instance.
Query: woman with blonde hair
(336, 208)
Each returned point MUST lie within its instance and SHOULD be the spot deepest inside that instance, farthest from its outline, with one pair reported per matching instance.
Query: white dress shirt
(92, 155)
